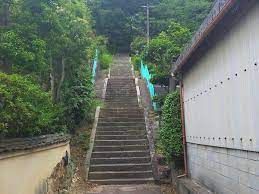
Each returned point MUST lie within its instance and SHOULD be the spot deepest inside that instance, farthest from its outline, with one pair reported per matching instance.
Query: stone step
(121, 91)
(121, 148)
(119, 137)
(107, 96)
(128, 132)
(116, 119)
(120, 128)
(123, 181)
(123, 109)
(111, 124)
(114, 104)
(121, 116)
(122, 104)
(114, 154)
(120, 175)
(122, 86)
(121, 100)
(120, 167)
(120, 160)
(120, 94)
(120, 142)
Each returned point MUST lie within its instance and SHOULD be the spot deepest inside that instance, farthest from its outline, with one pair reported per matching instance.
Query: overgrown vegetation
(170, 133)
(105, 60)
(26, 110)
(53, 43)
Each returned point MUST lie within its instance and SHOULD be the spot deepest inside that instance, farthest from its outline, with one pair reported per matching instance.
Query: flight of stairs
(121, 150)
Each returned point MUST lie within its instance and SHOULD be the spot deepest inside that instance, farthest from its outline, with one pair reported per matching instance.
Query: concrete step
(120, 175)
(128, 132)
(120, 160)
(112, 124)
(119, 137)
(122, 112)
(120, 142)
(121, 99)
(120, 128)
(114, 154)
(126, 110)
(122, 148)
(116, 119)
(121, 167)
(123, 181)
(122, 103)
(135, 104)
(119, 95)
(121, 116)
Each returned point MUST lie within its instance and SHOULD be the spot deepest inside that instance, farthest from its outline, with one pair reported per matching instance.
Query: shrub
(136, 61)
(25, 109)
(170, 137)
(78, 98)
(105, 60)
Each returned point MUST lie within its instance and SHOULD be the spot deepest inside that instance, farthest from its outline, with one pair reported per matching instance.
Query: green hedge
(170, 136)
(25, 110)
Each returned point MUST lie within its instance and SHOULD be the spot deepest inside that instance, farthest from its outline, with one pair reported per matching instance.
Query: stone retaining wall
(224, 170)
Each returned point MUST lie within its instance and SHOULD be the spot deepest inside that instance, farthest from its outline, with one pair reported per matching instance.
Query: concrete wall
(27, 172)
(221, 91)
(226, 171)
(221, 111)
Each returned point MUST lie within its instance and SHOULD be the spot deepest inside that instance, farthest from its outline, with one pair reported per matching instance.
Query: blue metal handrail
(145, 74)
(95, 63)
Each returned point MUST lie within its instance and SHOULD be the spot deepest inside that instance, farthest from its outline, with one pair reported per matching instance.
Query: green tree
(166, 47)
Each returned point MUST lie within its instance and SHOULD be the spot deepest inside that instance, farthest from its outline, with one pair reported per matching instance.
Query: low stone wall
(26, 164)
(223, 170)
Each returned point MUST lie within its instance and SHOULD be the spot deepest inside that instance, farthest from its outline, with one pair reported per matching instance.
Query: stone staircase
(121, 150)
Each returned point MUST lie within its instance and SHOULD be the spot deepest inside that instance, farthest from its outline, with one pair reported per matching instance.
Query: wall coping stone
(11, 145)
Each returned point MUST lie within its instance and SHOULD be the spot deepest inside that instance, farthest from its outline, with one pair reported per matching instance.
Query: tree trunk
(62, 77)
(52, 80)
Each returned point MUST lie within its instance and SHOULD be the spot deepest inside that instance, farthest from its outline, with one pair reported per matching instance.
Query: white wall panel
(226, 114)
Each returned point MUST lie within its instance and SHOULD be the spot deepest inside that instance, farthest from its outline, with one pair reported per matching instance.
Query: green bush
(170, 137)
(105, 60)
(136, 61)
(78, 98)
(25, 110)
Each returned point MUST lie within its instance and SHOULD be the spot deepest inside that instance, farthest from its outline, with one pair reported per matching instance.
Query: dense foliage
(166, 47)
(26, 110)
(170, 133)
(122, 20)
(52, 42)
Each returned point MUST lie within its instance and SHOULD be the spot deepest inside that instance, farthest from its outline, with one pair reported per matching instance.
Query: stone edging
(91, 144)
(96, 118)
